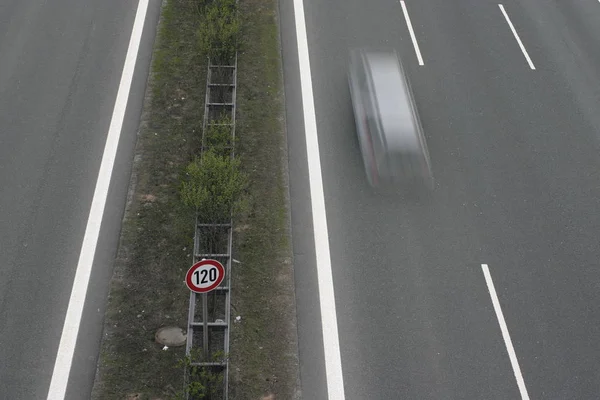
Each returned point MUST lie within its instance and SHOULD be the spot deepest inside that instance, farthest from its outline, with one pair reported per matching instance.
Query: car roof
(393, 100)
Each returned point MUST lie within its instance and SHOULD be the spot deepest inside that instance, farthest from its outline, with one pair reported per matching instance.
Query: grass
(264, 361)
(157, 231)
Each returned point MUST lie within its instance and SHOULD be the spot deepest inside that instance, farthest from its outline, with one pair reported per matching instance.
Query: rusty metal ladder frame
(193, 325)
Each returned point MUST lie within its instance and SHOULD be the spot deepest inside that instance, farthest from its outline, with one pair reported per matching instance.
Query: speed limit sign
(205, 276)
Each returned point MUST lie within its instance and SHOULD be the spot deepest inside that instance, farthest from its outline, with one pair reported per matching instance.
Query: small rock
(150, 198)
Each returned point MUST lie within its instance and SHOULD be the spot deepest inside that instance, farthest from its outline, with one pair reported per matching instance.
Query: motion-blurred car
(389, 129)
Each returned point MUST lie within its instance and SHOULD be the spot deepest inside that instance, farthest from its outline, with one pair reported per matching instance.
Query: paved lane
(515, 154)
(60, 67)
(420, 326)
(537, 188)
(548, 213)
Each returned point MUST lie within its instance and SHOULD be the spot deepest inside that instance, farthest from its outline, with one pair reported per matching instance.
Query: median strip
(148, 290)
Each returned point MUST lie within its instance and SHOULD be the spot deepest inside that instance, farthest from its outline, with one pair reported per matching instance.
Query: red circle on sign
(189, 277)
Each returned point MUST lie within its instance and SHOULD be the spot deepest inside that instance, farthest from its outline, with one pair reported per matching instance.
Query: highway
(60, 68)
(509, 96)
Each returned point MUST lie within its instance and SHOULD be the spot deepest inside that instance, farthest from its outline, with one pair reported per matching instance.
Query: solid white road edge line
(333, 362)
(509, 346)
(512, 28)
(68, 340)
(412, 33)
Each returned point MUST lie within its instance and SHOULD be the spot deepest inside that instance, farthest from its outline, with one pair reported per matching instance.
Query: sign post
(203, 277)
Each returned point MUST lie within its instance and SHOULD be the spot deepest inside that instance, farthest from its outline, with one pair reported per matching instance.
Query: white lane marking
(512, 28)
(412, 33)
(509, 346)
(68, 340)
(333, 362)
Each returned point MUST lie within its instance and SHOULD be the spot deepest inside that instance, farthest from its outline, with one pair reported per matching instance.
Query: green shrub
(218, 30)
(213, 186)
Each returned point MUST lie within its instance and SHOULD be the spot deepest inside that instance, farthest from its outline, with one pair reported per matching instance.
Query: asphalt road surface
(60, 67)
(510, 103)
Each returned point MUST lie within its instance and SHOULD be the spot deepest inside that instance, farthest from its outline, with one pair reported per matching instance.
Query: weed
(202, 381)
(218, 136)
